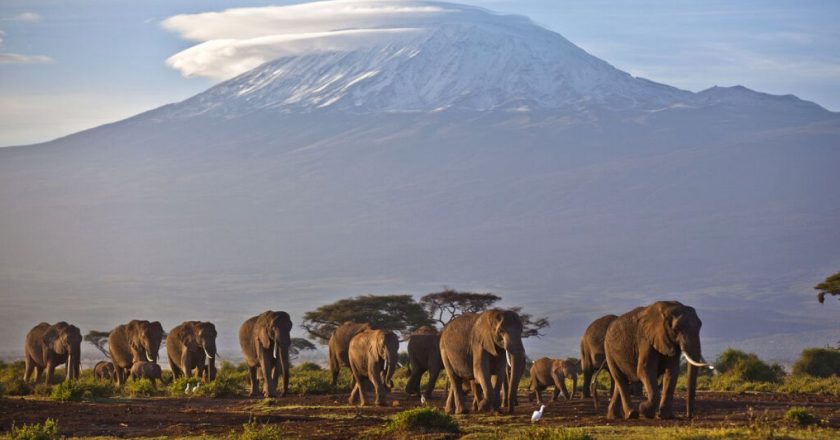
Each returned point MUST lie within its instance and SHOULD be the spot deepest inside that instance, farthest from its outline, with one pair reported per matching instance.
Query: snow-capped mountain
(472, 150)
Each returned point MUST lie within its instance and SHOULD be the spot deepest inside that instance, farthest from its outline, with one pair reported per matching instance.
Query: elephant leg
(50, 379)
(413, 385)
(481, 372)
(252, 380)
(560, 382)
(587, 380)
(267, 364)
(176, 372)
(621, 383)
(30, 369)
(669, 383)
(614, 408)
(375, 378)
(353, 393)
(648, 377)
(475, 390)
(434, 372)
(538, 389)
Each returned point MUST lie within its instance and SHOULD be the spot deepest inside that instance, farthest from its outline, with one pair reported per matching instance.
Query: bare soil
(329, 416)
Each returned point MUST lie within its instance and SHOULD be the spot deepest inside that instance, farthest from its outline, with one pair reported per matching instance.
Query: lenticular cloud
(237, 40)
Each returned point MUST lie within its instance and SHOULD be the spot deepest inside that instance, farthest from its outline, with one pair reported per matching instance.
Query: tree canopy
(449, 304)
(398, 313)
(299, 345)
(831, 286)
(99, 339)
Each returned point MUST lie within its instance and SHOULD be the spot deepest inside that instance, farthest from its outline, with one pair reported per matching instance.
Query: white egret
(537, 414)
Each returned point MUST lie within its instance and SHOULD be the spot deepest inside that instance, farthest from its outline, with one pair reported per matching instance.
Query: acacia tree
(831, 286)
(448, 304)
(299, 345)
(398, 313)
(99, 339)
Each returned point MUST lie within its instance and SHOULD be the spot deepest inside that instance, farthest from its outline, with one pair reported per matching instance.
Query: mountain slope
(484, 153)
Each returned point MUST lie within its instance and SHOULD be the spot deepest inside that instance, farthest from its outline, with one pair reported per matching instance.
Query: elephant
(373, 359)
(192, 346)
(104, 370)
(423, 356)
(477, 347)
(146, 370)
(48, 346)
(547, 372)
(646, 343)
(339, 345)
(132, 342)
(592, 356)
(265, 340)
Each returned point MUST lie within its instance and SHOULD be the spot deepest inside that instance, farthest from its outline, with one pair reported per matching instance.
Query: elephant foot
(632, 414)
(666, 414)
(483, 405)
(647, 409)
(283, 394)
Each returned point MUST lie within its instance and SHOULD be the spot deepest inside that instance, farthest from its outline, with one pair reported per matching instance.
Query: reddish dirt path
(200, 416)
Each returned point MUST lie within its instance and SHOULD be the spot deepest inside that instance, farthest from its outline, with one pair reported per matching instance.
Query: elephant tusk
(695, 363)
(208, 354)
(507, 356)
(276, 352)
(149, 357)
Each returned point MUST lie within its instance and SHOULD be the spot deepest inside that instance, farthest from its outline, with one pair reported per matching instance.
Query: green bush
(177, 387)
(307, 366)
(541, 433)
(140, 388)
(255, 431)
(87, 388)
(11, 379)
(225, 385)
(801, 416)
(421, 420)
(36, 431)
(818, 362)
(302, 383)
(747, 367)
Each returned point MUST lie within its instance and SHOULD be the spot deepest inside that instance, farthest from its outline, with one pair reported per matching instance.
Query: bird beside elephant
(547, 372)
(645, 344)
(191, 348)
(146, 370)
(423, 355)
(48, 346)
(138, 340)
(373, 360)
(339, 346)
(265, 340)
(479, 347)
(104, 370)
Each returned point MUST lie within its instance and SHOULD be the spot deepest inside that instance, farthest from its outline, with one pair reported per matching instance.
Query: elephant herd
(480, 352)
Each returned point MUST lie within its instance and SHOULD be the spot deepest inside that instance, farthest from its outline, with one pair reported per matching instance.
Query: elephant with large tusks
(265, 340)
(191, 346)
(136, 341)
(479, 347)
(553, 372)
(423, 356)
(645, 344)
(339, 346)
(48, 346)
(373, 360)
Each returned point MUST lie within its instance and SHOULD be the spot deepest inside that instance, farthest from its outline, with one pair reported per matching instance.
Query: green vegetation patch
(801, 416)
(421, 420)
(36, 431)
(258, 431)
(818, 362)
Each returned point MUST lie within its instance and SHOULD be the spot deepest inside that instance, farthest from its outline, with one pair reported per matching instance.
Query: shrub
(747, 367)
(801, 416)
(255, 431)
(421, 420)
(11, 379)
(818, 362)
(36, 431)
(302, 383)
(224, 386)
(140, 388)
(307, 366)
(87, 388)
(540, 433)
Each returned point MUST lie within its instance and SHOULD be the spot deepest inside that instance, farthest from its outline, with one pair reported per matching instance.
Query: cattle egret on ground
(537, 414)
(187, 389)
(195, 388)
(422, 399)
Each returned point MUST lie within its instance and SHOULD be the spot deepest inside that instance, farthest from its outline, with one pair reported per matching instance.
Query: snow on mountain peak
(397, 56)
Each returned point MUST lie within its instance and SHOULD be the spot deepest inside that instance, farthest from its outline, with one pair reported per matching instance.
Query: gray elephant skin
(138, 340)
(645, 344)
(553, 372)
(146, 370)
(592, 356)
(191, 348)
(104, 370)
(48, 346)
(339, 346)
(265, 340)
(373, 360)
(478, 347)
(423, 355)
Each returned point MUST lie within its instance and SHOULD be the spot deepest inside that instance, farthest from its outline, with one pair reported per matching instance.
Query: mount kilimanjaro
(483, 152)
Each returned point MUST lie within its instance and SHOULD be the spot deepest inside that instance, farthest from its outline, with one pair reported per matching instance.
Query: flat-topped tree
(398, 313)
(831, 286)
(449, 304)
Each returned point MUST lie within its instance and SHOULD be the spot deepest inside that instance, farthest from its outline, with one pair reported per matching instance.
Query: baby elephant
(146, 370)
(104, 370)
(547, 372)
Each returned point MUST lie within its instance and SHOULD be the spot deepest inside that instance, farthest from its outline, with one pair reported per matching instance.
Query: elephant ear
(157, 327)
(486, 326)
(655, 325)
(261, 328)
(50, 336)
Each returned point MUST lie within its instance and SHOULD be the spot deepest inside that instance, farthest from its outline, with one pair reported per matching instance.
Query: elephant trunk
(390, 369)
(517, 367)
(692, 390)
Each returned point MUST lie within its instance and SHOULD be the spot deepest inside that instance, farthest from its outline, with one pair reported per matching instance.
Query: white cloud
(25, 17)
(237, 40)
(16, 58)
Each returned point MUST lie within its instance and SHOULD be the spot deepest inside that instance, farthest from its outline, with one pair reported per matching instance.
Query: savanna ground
(314, 409)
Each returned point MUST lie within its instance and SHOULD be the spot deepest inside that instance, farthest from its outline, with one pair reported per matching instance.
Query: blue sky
(67, 65)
